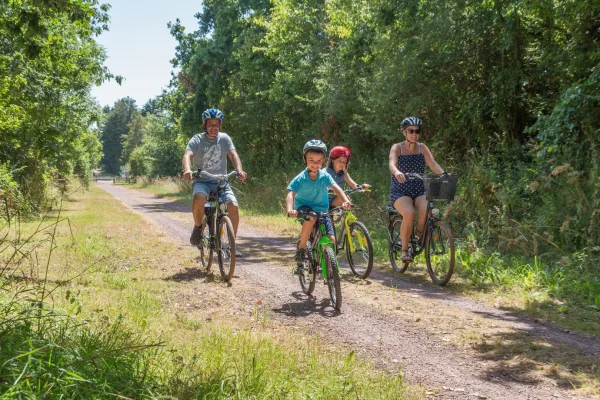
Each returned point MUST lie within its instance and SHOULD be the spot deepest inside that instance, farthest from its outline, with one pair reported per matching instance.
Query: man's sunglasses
(417, 131)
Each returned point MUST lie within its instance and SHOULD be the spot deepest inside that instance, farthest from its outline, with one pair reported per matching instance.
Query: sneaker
(196, 236)
(300, 255)
(238, 253)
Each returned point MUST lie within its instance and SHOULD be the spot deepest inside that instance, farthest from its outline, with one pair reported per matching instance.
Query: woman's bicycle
(320, 255)
(355, 239)
(436, 240)
(216, 227)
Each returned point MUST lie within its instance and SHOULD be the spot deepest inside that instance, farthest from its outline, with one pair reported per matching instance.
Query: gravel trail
(397, 323)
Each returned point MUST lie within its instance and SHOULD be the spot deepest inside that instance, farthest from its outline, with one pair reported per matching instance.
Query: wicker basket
(440, 188)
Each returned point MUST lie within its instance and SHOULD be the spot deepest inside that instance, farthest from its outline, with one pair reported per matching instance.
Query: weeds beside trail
(89, 310)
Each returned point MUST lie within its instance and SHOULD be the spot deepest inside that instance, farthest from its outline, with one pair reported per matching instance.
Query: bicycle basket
(440, 188)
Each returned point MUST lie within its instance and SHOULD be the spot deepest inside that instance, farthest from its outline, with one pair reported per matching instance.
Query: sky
(139, 46)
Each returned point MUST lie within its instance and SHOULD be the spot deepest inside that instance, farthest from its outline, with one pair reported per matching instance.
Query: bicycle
(356, 240)
(320, 253)
(217, 229)
(436, 240)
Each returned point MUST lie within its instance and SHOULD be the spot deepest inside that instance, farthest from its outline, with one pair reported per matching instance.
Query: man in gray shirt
(209, 151)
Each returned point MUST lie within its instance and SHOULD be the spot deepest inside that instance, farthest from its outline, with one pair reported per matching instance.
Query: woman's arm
(393, 160)
(430, 161)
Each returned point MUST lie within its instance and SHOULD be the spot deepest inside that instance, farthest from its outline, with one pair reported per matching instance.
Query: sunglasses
(417, 131)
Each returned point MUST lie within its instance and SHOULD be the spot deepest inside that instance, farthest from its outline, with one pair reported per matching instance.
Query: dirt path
(454, 347)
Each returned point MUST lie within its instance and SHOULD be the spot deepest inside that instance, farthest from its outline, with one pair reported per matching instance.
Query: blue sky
(139, 46)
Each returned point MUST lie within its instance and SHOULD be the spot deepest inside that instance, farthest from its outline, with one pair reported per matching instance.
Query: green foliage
(48, 62)
(115, 132)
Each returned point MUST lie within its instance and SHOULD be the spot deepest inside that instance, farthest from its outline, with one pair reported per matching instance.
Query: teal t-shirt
(311, 193)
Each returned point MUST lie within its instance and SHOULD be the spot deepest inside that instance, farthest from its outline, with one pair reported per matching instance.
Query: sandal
(406, 257)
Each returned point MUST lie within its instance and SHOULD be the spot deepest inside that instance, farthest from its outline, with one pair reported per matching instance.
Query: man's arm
(237, 164)
(186, 164)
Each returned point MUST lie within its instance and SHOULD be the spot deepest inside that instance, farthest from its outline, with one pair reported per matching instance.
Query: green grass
(115, 325)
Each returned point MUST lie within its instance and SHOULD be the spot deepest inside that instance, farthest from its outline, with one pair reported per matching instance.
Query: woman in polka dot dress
(407, 195)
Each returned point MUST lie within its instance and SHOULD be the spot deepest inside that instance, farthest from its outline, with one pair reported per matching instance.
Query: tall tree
(114, 132)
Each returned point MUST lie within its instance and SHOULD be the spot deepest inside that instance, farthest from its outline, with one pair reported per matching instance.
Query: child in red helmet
(337, 167)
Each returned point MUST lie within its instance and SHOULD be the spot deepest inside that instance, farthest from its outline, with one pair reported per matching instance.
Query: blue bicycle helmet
(315, 145)
(212, 113)
(410, 121)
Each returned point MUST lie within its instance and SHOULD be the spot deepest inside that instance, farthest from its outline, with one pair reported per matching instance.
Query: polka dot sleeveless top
(414, 163)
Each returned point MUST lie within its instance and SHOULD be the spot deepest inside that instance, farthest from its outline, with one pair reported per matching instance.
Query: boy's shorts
(328, 224)
(227, 195)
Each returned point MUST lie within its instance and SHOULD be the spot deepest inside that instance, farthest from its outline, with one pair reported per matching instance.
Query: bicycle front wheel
(359, 250)
(226, 248)
(333, 278)
(395, 246)
(206, 253)
(439, 253)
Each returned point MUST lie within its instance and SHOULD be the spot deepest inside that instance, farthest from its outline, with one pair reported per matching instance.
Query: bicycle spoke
(439, 253)
(359, 250)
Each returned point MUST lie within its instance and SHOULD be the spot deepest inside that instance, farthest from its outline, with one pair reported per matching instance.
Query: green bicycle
(356, 240)
(320, 255)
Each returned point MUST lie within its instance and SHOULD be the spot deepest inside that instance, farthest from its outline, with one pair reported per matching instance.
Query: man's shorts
(328, 224)
(227, 195)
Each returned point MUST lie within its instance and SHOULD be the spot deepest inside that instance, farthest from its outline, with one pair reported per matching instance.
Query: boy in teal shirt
(308, 190)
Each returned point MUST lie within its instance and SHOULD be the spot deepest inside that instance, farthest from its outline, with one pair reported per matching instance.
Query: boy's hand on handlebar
(346, 205)
(188, 175)
(365, 186)
(242, 175)
(292, 213)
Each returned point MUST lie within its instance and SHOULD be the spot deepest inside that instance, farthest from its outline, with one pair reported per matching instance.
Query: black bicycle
(216, 227)
(436, 240)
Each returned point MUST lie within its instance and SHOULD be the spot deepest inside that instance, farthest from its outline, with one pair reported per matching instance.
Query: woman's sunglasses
(417, 131)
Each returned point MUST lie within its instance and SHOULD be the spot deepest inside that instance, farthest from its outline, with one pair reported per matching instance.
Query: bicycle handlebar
(313, 214)
(359, 189)
(204, 174)
(413, 175)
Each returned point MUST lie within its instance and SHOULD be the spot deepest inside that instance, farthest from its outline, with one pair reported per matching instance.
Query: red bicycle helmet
(340, 151)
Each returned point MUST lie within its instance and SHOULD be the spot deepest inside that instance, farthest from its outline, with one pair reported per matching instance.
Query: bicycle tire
(395, 246)
(206, 252)
(333, 278)
(439, 253)
(354, 259)
(226, 248)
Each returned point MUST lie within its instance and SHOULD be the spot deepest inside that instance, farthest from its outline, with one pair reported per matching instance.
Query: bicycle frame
(348, 219)
(212, 208)
(323, 241)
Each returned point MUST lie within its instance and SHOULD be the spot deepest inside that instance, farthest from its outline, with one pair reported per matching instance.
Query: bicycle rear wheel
(226, 248)
(361, 259)
(439, 253)
(333, 278)
(395, 246)
(206, 253)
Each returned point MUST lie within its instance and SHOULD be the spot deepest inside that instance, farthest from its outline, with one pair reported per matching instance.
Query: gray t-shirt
(211, 155)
